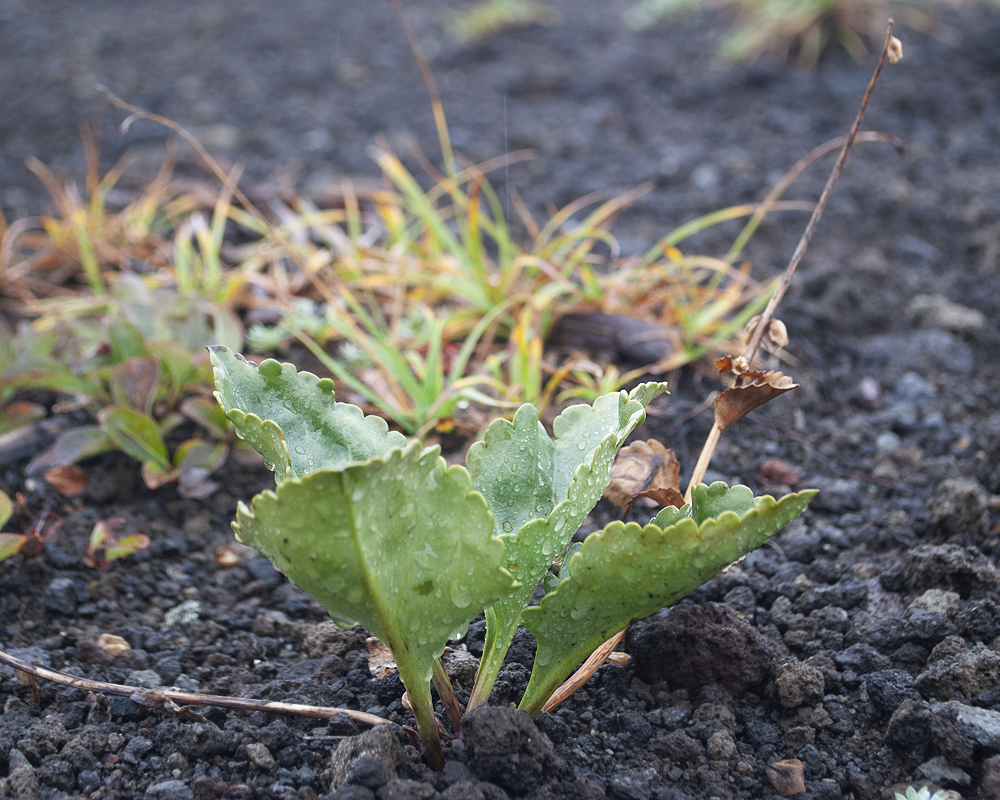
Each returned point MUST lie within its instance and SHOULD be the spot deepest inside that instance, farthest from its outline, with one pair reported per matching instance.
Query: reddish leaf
(69, 480)
(134, 382)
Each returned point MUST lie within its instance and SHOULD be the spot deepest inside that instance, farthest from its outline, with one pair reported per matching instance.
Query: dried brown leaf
(645, 469)
(758, 387)
(777, 471)
(787, 776)
(381, 663)
(134, 382)
(69, 480)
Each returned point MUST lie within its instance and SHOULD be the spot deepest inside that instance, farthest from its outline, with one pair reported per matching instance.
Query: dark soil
(866, 644)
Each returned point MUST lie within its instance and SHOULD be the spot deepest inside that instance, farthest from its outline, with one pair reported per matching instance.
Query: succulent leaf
(292, 418)
(399, 544)
(627, 572)
(540, 490)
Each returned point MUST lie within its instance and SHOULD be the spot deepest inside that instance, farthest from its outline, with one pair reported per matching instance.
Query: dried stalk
(168, 698)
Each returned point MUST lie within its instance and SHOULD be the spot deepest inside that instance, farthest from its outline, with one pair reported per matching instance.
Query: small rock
(22, 782)
(700, 645)
(960, 732)
(787, 777)
(939, 771)
(969, 672)
(959, 510)
(406, 789)
(626, 784)
(989, 785)
(506, 748)
(937, 311)
(679, 747)
(170, 790)
(799, 736)
(378, 743)
(798, 685)
(909, 727)
(886, 689)
(949, 566)
(938, 600)
(261, 756)
(720, 746)
(147, 678)
(188, 611)
(61, 596)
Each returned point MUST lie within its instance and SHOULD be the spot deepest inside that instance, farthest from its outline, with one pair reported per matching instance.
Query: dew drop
(581, 446)
(354, 595)
(460, 594)
(300, 450)
(508, 526)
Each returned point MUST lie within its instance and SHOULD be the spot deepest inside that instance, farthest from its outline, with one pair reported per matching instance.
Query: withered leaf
(777, 471)
(645, 469)
(381, 663)
(758, 387)
(787, 777)
(69, 480)
(134, 382)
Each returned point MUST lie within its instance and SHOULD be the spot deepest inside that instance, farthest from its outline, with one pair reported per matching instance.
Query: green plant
(383, 533)
(923, 793)
(105, 547)
(132, 357)
(778, 27)
(488, 17)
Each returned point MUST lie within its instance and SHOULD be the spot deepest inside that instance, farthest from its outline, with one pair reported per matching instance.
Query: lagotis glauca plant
(383, 533)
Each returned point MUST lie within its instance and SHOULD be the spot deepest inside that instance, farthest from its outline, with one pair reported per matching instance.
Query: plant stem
(494, 650)
(704, 459)
(418, 689)
(447, 694)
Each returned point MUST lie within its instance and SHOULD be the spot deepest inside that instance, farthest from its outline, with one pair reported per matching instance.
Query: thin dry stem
(704, 459)
(585, 672)
(800, 249)
(159, 697)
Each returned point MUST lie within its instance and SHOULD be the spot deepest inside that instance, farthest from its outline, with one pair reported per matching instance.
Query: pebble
(939, 771)
(170, 790)
(261, 756)
(960, 732)
(798, 685)
(62, 596)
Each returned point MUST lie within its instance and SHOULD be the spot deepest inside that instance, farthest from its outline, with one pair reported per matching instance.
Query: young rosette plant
(383, 533)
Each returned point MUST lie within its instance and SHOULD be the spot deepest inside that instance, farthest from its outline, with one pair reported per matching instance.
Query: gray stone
(170, 790)
(147, 678)
(261, 756)
(962, 734)
(61, 596)
(937, 311)
(798, 684)
(969, 672)
(379, 743)
(942, 773)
